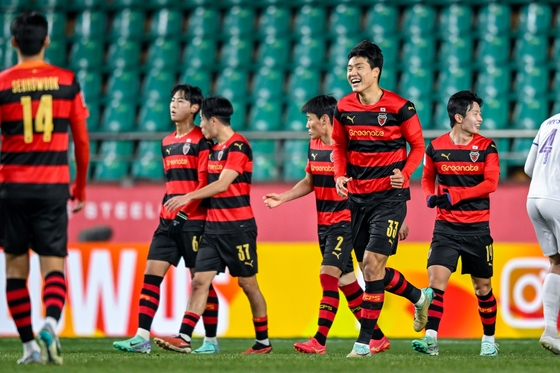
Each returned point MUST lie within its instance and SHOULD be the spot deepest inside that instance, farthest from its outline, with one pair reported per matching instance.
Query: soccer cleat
(377, 346)
(175, 343)
(426, 345)
(551, 344)
(134, 344)
(488, 349)
(50, 345)
(207, 348)
(311, 347)
(359, 350)
(33, 358)
(421, 311)
(258, 348)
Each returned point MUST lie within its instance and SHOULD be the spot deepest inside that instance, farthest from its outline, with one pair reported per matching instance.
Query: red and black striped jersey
(231, 211)
(38, 102)
(470, 173)
(370, 142)
(332, 210)
(185, 161)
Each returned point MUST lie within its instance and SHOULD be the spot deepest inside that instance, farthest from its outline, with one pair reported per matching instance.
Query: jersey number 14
(43, 118)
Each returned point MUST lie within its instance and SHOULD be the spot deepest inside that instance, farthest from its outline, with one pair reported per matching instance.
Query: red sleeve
(428, 177)
(81, 152)
(415, 156)
(340, 148)
(236, 161)
(489, 185)
(307, 168)
(202, 169)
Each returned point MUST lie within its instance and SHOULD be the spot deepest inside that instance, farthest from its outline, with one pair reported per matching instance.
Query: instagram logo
(521, 287)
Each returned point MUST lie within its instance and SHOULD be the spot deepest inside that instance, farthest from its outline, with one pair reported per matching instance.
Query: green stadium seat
(310, 21)
(8, 55)
(154, 116)
(495, 113)
(167, 23)
(91, 24)
(88, 4)
(119, 116)
(200, 53)
(493, 81)
(336, 83)
(13, 5)
(388, 78)
(530, 49)
(157, 84)
(114, 160)
(85, 54)
(389, 45)
(93, 119)
(126, 4)
(231, 83)
(122, 85)
(236, 52)
(57, 25)
(264, 160)
(340, 47)
(295, 159)
(455, 19)
(50, 4)
(494, 18)
(198, 78)
(238, 119)
(531, 81)
(128, 23)
(148, 164)
(303, 84)
(452, 80)
(158, 4)
(163, 54)
(344, 20)
(275, 21)
(535, 18)
(416, 83)
(419, 50)
(456, 50)
(55, 53)
(295, 119)
(441, 118)
(493, 50)
(424, 111)
(555, 90)
(419, 19)
(5, 23)
(529, 113)
(203, 22)
(265, 115)
(381, 19)
(309, 52)
(267, 84)
(238, 21)
(123, 54)
(273, 52)
(90, 83)
(555, 52)
(520, 148)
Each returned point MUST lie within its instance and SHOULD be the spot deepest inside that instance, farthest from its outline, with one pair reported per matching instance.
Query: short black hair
(460, 103)
(371, 52)
(192, 94)
(219, 107)
(30, 29)
(320, 105)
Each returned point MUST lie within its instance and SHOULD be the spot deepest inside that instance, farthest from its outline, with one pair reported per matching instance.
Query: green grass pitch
(98, 355)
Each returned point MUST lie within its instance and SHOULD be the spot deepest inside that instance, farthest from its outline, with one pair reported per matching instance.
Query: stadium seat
(93, 119)
(424, 110)
(57, 25)
(416, 82)
(148, 164)
(119, 116)
(529, 113)
(238, 119)
(123, 54)
(530, 49)
(456, 50)
(5, 23)
(340, 47)
(126, 4)
(264, 160)
(167, 23)
(154, 116)
(554, 59)
(419, 20)
(531, 81)
(495, 113)
(455, 19)
(309, 52)
(8, 55)
(268, 84)
(520, 149)
(197, 77)
(452, 80)
(88, 4)
(55, 53)
(493, 50)
(419, 50)
(43, 5)
(90, 83)
(199, 53)
(203, 22)
(336, 83)
(13, 5)
(236, 52)
(493, 81)
(345, 20)
(388, 79)
(275, 21)
(114, 160)
(128, 23)
(231, 83)
(389, 45)
(493, 18)
(295, 159)
(310, 21)
(381, 11)
(295, 119)
(303, 84)
(90, 24)
(238, 21)
(85, 54)
(123, 85)
(273, 51)
(265, 115)
(440, 120)
(535, 18)
(163, 54)
(157, 84)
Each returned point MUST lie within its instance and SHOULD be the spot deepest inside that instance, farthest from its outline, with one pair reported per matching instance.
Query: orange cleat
(258, 349)
(380, 345)
(175, 343)
(311, 347)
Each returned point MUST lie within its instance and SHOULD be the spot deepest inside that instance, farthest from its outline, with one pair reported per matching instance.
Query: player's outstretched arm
(302, 188)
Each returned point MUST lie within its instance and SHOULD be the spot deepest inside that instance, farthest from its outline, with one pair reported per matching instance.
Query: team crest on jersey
(187, 147)
(331, 157)
(220, 154)
(382, 119)
(474, 156)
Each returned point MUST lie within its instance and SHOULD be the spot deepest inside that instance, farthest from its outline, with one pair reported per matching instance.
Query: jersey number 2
(43, 118)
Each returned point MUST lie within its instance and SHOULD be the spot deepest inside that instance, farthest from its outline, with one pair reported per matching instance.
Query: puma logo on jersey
(168, 151)
(250, 264)
(446, 156)
(337, 255)
(351, 119)
(313, 155)
(391, 241)
(238, 144)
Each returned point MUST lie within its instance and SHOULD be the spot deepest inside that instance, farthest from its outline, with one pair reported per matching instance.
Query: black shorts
(236, 251)
(39, 224)
(376, 228)
(169, 250)
(336, 249)
(476, 252)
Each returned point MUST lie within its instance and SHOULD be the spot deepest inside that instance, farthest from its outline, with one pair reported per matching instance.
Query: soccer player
(38, 104)
(230, 234)
(466, 168)
(543, 206)
(185, 161)
(333, 216)
(371, 129)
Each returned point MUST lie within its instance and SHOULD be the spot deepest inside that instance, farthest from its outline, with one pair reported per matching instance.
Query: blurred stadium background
(270, 56)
